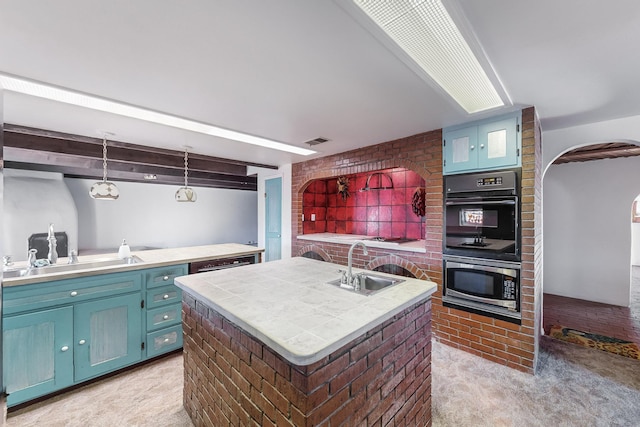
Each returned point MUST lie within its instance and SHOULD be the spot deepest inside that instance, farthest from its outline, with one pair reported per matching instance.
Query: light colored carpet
(575, 386)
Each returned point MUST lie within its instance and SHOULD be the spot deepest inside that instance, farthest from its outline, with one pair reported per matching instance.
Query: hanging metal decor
(104, 190)
(418, 201)
(343, 187)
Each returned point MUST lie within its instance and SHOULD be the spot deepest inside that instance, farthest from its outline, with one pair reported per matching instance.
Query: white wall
(148, 215)
(283, 172)
(635, 240)
(587, 229)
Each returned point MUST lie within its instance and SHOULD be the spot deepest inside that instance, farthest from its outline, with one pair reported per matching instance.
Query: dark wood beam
(610, 150)
(80, 156)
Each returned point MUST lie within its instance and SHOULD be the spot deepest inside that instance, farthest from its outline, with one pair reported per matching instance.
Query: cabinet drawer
(42, 295)
(163, 276)
(164, 340)
(162, 296)
(164, 316)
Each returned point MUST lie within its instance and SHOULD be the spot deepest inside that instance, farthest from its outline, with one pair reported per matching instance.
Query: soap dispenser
(124, 252)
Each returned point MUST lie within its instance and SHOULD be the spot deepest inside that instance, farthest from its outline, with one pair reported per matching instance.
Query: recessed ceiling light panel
(425, 31)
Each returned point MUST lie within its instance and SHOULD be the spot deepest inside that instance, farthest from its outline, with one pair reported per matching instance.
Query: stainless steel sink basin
(59, 268)
(372, 283)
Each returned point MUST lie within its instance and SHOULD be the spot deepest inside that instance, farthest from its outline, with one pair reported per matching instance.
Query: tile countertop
(348, 239)
(150, 259)
(288, 305)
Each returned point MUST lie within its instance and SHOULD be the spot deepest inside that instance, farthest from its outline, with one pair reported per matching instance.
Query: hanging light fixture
(104, 190)
(186, 194)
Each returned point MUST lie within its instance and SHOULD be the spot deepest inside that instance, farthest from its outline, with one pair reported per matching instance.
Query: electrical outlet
(313, 217)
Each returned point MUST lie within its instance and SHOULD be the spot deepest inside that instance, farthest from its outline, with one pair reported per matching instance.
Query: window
(636, 211)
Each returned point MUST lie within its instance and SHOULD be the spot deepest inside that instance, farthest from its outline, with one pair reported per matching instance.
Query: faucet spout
(350, 260)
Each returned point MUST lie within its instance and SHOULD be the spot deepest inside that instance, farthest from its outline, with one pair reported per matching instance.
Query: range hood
(33, 200)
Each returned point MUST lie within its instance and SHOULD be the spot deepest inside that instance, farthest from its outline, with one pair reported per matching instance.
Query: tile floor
(598, 318)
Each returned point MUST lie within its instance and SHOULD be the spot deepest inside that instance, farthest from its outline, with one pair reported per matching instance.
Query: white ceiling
(294, 70)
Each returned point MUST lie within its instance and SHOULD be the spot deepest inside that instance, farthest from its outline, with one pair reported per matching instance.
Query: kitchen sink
(372, 283)
(59, 268)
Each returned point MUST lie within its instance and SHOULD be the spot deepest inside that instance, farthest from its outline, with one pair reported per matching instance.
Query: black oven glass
(476, 283)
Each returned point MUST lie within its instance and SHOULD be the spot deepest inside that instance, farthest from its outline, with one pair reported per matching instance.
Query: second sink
(59, 268)
(372, 283)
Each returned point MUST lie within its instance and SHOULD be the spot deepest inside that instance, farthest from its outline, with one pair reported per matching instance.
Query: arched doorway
(587, 194)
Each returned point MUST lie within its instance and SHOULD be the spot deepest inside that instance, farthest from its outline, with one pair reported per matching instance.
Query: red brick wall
(380, 378)
(419, 153)
(496, 340)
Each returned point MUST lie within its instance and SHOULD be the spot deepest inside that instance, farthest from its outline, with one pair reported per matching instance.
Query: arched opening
(588, 242)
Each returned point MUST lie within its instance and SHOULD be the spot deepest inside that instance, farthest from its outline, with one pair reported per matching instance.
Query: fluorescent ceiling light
(426, 32)
(41, 90)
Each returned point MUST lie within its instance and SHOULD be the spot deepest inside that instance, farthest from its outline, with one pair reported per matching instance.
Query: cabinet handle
(64, 348)
(166, 340)
(472, 147)
(481, 146)
(165, 278)
(165, 296)
(165, 317)
(81, 342)
(73, 293)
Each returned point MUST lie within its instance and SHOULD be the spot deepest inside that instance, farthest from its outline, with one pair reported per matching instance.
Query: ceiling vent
(317, 141)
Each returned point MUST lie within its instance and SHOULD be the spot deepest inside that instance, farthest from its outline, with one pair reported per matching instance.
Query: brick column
(381, 378)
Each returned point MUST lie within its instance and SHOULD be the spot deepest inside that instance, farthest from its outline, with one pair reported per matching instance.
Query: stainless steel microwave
(482, 285)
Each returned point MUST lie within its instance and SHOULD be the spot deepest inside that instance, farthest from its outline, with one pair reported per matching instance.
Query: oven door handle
(479, 202)
(506, 304)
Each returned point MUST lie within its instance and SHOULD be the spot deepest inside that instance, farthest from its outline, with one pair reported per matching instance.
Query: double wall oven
(481, 244)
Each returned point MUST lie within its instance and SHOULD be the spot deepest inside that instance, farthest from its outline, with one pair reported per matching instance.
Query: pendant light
(186, 194)
(104, 190)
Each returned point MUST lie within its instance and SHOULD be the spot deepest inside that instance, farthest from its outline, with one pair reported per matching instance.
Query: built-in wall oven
(481, 244)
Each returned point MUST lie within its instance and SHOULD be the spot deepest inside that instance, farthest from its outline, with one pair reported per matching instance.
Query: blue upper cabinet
(484, 145)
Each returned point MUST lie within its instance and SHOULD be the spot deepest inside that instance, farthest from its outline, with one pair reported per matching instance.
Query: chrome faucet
(350, 262)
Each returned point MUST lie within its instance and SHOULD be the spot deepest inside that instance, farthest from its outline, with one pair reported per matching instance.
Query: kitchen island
(274, 344)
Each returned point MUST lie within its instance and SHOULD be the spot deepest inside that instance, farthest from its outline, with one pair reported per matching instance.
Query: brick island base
(380, 378)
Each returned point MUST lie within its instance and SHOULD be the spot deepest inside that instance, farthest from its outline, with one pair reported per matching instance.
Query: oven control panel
(489, 181)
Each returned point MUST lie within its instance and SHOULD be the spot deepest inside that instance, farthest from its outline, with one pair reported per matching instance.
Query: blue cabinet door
(460, 149)
(498, 144)
(37, 353)
(108, 335)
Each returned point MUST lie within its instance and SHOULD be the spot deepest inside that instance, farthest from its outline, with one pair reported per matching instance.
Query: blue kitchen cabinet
(163, 310)
(484, 145)
(61, 333)
(108, 335)
(37, 353)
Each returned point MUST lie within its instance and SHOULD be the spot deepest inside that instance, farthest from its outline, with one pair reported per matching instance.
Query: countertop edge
(163, 258)
(347, 239)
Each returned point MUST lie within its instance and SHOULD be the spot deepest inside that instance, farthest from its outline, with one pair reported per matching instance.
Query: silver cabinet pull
(481, 145)
(165, 296)
(165, 278)
(166, 340)
(73, 293)
(64, 348)
(472, 147)
(165, 317)
(81, 342)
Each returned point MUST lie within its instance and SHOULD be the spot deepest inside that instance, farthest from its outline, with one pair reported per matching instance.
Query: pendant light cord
(186, 166)
(104, 158)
